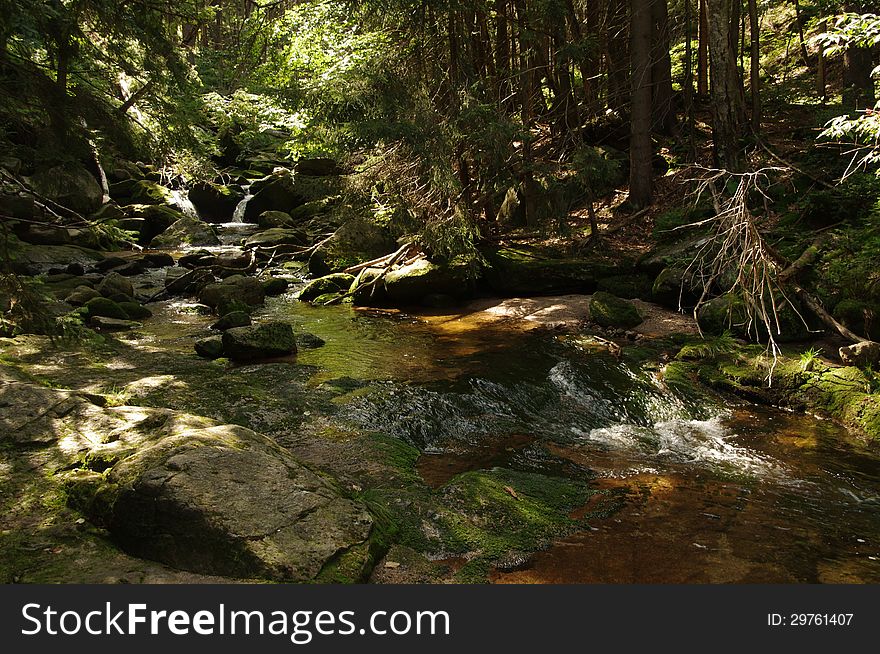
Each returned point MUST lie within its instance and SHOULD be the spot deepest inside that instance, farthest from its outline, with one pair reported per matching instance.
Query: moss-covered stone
(275, 286)
(610, 311)
(333, 284)
(270, 339)
(101, 306)
(232, 319)
(728, 313)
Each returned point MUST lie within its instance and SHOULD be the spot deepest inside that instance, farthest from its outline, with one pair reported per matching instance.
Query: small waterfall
(183, 204)
(238, 214)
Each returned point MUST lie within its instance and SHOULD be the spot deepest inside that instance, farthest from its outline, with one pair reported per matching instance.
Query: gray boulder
(233, 291)
(115, 284)
(70, 185)
(186, 231)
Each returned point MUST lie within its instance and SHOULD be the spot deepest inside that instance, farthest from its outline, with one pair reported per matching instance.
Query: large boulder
(185, 232)
(412, 283)
(70, 185)
(104, 308)
(233, 292)
(44, 234)
(278, 192)
(269, 339)
(215, 202)
(728, 312)
(610, 311)
(355, 241)
(149, 220)
(141, 191)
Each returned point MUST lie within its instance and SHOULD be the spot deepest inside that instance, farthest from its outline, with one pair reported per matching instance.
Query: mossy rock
(104, 307)
(215, 202)
(184, 232)
(141, 191)
(270, 339)
(277, 236)
(70, 185)
(332, 284)
(275, 286)
(356, 241)
(411, 283)
(610, 311)
(636, 285)
(673, 288)
(861, 317)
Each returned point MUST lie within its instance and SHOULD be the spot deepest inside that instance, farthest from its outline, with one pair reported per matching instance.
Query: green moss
(101, 306)
(610, 311)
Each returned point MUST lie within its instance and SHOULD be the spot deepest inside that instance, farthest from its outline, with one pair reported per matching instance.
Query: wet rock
(75, 269)
(235, 289)
(210, 347)
(862, 355)
(113, 284)
(113, 324)
(70, 185)
(36, 259)
(336, 283)
(105, 308)
(270, 219)
(232, 319)
(610, 311)
(215, 202)
(181, 281)
(275, 286)
(277, 236)
(270, 339)
(185, 232)
(81, 295)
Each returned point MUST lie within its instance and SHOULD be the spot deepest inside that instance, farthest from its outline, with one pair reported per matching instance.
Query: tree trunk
(703, 52)
(754, 65)
(727, 110)
(821, 75)
(640, 150)
(663, 111)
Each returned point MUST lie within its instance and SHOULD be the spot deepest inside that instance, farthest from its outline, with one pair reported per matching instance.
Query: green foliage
(709, 348)
(809, 358)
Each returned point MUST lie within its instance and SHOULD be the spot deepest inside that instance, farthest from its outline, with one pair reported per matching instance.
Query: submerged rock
(270, 339)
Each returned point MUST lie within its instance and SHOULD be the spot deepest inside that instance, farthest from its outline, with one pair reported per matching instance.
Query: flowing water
(704, 490)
